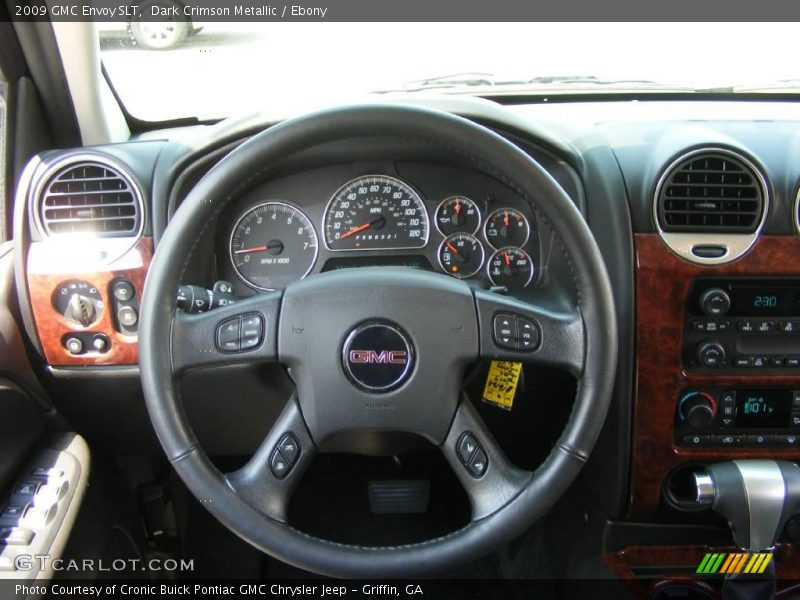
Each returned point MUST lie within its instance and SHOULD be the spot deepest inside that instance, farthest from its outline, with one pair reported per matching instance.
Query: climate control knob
(711, 354)
(715, 302)
(698, 409)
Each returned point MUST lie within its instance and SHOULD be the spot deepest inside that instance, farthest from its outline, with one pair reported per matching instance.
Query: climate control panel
(742, 325)
(737, 417)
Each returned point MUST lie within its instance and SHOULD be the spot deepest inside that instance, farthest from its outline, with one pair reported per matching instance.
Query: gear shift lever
(756, 497)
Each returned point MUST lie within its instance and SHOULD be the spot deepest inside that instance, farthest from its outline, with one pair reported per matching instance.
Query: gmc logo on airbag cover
(377, 356)
(394, 357)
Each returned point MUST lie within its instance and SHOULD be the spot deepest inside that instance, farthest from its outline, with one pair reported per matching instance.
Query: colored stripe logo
(724, 563)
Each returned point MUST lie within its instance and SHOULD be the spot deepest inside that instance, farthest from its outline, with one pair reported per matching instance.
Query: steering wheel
(378, 349)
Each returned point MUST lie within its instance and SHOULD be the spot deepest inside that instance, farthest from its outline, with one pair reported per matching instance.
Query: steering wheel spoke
(488, 477)
(518, 331)
(268, 479)
(239, 333)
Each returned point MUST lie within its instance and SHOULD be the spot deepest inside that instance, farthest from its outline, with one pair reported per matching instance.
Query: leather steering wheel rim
(255, 161)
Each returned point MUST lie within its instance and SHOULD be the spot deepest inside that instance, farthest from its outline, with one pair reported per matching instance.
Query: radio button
(788, 326)
(796, 399)
(746, 326)
(776, 361)
(795, 418)
(711, 354)
(793, 362)
(715, 302)
(743, 362)
(765, 326)
(760, 362)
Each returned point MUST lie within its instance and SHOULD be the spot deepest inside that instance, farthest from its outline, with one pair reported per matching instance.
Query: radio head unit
(746, 325)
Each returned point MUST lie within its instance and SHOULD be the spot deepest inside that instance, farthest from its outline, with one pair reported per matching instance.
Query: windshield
(165, 71)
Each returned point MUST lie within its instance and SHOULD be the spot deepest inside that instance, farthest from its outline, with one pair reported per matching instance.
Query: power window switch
(15, 536)
(48, 472)
(289, 448)
(15, 511)
(27, 488)
(477, 464)
(50, 492)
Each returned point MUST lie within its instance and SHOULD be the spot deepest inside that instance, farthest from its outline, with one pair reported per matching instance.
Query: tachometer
(375, 212)
(272, 245)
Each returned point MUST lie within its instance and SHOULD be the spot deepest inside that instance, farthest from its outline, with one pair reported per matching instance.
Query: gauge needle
(452, 248)
(505, 219)
(361, 228)
(259, 248)
(507, 258)
(458, 207)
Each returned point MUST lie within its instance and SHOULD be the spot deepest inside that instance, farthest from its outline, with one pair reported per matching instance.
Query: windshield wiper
(487, 82)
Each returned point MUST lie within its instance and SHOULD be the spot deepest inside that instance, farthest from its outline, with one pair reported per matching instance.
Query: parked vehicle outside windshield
(214, 70)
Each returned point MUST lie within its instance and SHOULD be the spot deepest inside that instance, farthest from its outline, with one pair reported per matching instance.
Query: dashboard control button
(478, 463)
(127, 316)
(743, 362)
(123, 291)
(795, 421)
(788, 326)
(289, 448)
(711, 354)
(746, 326)
(15, 536)
(787, 439)
(695, 440)
(776, 361)
(715, 302)
(100, 342)
(759, 439)
(728, 440)
(796, 399)
(697, 409)
(228, 335)
(466, 447)
(74, 345)
(765, 326)
(529, 335)
(792, 362)
(760, 362)
(47, 472)
(278, 464)
(505, 331)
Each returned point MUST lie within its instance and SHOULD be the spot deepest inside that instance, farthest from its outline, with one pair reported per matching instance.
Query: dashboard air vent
(711, 192)
(90, 197)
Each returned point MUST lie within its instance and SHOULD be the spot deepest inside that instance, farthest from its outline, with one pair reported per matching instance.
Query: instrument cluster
(377, 219)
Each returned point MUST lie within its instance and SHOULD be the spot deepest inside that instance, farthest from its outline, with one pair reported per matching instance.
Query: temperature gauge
(506, 227)
(461, 255)
(510, 267)
(458, 214)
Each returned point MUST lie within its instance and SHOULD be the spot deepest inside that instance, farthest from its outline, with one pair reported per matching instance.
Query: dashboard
(706, 285)
(428, 217)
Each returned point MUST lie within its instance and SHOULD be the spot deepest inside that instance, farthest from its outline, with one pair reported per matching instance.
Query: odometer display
(375, 212)
(272, 245)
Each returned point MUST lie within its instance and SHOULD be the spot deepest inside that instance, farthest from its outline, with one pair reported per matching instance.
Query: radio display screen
(766, 301)
(763, 408)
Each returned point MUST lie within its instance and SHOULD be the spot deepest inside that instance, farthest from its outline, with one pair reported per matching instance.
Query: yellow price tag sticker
(501, 383)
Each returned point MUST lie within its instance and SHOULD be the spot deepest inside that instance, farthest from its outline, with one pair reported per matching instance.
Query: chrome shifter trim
(765, 491)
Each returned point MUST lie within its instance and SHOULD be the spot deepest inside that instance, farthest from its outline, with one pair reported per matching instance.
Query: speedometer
(375, 212)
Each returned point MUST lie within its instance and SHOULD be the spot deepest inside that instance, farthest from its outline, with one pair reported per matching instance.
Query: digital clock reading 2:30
(765, 302)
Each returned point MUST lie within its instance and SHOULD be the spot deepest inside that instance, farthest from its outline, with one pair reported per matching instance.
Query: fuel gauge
(461, 255)
(510, 267)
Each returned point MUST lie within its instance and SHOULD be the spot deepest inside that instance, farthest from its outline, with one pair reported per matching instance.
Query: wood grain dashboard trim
(662, 284)
(47, 269)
